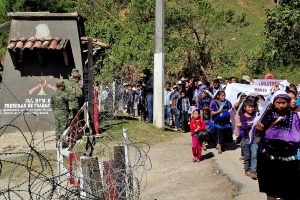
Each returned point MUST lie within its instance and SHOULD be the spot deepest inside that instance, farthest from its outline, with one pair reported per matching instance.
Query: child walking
(207, 119)
(249, 149)
(197, 124)
(183, 106)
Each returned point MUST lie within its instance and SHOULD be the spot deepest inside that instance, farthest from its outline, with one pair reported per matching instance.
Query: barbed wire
(93, 167)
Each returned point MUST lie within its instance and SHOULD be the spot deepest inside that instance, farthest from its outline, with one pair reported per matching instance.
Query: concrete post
(158, 93)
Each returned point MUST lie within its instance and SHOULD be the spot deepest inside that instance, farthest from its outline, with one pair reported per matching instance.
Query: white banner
(232, 90)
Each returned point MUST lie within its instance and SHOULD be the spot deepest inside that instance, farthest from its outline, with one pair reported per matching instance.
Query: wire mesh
(92, 167)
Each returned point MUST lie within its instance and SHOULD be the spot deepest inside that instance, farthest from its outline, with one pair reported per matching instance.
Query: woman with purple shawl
(278, 169)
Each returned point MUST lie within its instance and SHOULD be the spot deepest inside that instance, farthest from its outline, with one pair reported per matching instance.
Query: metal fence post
(128, 174)
(115, 111)
(60, 160)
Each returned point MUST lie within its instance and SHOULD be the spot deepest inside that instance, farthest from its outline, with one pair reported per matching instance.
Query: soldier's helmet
(75, 71)
(60, 83)
(75, 75)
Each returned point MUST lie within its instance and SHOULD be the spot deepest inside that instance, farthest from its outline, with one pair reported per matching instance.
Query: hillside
(231, 33)
(241, 43)
(251, 37)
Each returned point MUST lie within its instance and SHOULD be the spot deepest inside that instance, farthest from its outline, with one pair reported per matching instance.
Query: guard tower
(42, 48)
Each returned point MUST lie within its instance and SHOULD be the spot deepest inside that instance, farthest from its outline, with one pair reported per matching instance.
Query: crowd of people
(267, 127)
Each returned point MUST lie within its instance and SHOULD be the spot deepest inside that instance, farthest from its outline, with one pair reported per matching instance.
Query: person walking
(183, 106)
(167, 103)
(148, 88)
(206, 116)
(197, 124)
(221, 120)
(293, 96)
(249, 149)
(131, 100)
(277, 165)
(175, 95)
(216, 86)
(204, 100)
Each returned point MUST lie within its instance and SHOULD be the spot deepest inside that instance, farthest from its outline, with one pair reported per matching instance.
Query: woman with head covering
(277, 166)
(220, 108)
(205, 99)
(269, 76)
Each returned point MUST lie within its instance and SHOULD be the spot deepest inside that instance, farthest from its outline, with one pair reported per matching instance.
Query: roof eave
(44, 15)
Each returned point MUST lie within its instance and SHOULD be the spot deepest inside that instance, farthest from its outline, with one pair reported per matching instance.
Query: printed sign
(266, 82)
(38, 106)
(37, 100)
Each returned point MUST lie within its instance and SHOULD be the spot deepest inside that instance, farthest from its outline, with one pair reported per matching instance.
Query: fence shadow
(129, 118)
(111, 125)
(169, 129)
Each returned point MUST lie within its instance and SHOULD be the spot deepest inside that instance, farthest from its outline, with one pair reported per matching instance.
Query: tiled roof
(34, 43)
(95, 41)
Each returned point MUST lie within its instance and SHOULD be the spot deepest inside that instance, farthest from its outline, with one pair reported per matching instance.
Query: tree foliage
(194, 32)
(282, 47)
(191, 42)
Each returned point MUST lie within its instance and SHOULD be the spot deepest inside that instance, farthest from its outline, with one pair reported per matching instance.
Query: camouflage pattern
(60, 107)
(60, 82)
(75, 71)
(74, 104)
(75, 75)
(74, 88)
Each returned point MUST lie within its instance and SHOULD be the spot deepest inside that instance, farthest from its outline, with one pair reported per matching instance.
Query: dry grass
(17, 168)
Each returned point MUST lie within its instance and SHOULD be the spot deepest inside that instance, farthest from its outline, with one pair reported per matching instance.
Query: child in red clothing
(197, 124)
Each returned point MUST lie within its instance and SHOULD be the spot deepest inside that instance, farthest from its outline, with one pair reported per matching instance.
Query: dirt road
(175, 176)
(230, 166)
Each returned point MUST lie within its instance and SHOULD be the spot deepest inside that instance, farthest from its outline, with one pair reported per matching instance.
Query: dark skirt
(278, 178)
(223, 133)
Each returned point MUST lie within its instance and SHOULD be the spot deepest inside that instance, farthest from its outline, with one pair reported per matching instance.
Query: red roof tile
(29, 43)
(34, 43)
(54, 43)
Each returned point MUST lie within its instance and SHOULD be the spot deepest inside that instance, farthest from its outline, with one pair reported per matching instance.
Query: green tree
(128, 27)
(194, 33)
(283, 35)
(193, 37)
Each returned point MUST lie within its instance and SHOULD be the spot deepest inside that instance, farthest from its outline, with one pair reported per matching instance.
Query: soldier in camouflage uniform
(74, 88)
(60, 108)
